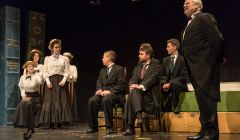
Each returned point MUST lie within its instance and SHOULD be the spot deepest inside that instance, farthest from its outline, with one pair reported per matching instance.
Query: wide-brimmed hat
(32, 52)
(28, 63)
(50, 46)
(68, 54)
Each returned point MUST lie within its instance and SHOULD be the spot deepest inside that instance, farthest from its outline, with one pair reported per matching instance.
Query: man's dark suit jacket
(150, 82)
(115, 82)
(203, 51)
(179, 75)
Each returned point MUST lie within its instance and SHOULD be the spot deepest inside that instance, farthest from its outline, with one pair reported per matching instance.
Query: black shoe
(196, 137)
(140, 122)
(51, 126)
(109, 131)
(59, 126)
(33, 131)
(90, 130)
(176, 110)
(129, 132)
(27, 135)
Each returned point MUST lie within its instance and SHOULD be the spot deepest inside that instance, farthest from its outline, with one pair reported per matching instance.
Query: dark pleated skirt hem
(27, 114)
(55, 107)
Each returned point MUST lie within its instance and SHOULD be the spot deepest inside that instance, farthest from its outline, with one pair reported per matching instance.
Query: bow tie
(28, 77)
(56, 56)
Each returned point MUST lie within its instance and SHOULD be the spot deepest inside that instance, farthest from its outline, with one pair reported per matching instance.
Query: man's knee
(92, 100)
(106, 100)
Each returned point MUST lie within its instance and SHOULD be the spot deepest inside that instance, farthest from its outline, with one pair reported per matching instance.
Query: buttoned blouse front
(54, 66)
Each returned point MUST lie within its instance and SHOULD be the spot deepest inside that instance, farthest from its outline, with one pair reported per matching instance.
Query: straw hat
(50, 46)
(28, 63)
(68, 54)
(31, 54)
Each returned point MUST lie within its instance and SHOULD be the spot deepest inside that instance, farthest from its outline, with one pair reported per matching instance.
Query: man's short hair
(200, 4)
(174, 42)
(146, 47)
(111, 54)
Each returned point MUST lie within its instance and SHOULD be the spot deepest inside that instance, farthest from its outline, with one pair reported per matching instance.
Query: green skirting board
(230, 102)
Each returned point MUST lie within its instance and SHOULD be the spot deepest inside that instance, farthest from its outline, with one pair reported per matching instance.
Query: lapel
(111, 72)
(176, 66)
(191, 24)
(168, 66)
(147, 70)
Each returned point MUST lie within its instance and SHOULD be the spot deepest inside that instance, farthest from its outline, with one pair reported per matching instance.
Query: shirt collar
(175, 55)
(194, 14)
(110, 65)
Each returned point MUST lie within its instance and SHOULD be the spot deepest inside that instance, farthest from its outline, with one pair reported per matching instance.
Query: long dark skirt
(27, 114)
(74, 101)
(55, 107)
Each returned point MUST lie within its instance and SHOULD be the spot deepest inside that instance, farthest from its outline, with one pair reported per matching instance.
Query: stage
(76, 132)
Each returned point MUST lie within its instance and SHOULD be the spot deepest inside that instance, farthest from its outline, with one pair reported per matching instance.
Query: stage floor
(76, 132)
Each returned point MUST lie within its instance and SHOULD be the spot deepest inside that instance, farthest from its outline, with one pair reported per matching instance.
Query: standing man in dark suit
(174, 74)
(143, 86)
(202, 45)
(109, 91)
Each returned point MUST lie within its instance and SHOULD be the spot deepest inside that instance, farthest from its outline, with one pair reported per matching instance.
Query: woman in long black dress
(55, 107)
(27, 114)
(72, 87)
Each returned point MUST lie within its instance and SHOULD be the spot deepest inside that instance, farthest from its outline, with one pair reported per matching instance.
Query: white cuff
(143, 88)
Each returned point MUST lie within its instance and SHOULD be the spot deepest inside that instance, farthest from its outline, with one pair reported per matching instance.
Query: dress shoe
(129, 132)
(28, 134)
(90, 130)
(51, 126)
(59, 126)
(109, 131)
(196, 137)
(177, 110)
(33, 131)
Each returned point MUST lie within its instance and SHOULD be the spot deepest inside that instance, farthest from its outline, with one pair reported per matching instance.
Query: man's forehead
(142, 52)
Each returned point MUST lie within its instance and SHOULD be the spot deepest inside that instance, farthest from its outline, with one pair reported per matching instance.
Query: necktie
(143, 70)
(108, 71)
(28, 77)
(171, 63)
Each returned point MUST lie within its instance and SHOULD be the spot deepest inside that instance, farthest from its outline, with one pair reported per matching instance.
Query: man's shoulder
(205, 15)
(155, 61)
(166, 58)
(118, 66)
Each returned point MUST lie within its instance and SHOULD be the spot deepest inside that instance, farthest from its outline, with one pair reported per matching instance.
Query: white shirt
(29, 85)
(73, 73)
(54, 66)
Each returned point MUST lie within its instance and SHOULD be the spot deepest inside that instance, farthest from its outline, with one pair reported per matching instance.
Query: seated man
(174, 74)
(143, 86)
(109, 91)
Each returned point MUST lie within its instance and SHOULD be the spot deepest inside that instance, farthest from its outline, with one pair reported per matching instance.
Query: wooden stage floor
(76, 132)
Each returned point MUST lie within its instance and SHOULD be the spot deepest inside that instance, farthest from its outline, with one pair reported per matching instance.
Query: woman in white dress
(27, 114)
(72, 87)
(55, 108)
